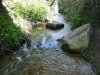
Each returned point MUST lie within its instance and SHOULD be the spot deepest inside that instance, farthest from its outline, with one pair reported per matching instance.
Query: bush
(76, 15)
(10, 35)
(80, 19)
(32, 9)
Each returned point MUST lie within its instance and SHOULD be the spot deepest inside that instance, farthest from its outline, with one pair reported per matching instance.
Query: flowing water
(44, 56)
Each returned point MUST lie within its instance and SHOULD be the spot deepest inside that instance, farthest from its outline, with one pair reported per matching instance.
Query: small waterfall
(56, 8)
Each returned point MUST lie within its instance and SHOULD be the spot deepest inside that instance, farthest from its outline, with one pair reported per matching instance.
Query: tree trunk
(0, 1)
(52, 3)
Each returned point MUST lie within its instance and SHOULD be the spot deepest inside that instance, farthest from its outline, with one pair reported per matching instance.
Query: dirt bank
(92, 54)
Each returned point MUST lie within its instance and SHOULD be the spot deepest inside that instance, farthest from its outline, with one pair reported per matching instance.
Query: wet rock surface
(54, 26)
(92, 53)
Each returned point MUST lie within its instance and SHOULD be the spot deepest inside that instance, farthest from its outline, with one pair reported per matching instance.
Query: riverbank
(92, 53)
(17, 19)
(83, 13)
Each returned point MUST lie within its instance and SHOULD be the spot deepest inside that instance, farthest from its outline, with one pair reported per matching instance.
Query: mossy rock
(54, 26)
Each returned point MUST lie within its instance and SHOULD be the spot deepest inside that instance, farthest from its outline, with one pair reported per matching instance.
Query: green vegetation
(10, 35)
(31, 9)
(74, 13)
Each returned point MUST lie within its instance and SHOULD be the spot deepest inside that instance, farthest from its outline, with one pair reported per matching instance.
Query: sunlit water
(45, 56)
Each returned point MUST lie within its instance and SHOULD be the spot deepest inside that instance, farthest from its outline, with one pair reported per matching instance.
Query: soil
(92, 53)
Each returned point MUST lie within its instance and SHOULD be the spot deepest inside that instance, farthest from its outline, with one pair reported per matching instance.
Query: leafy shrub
(32, 9)
(80, 19)
(73, 13)
(10, 34)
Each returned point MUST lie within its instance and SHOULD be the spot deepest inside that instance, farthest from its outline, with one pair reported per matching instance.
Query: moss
(66, 47)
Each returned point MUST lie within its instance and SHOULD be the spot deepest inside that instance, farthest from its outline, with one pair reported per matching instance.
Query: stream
(44, 56)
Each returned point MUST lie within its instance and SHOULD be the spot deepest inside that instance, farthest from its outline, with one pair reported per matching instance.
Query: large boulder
(78, 39)
(54, 26)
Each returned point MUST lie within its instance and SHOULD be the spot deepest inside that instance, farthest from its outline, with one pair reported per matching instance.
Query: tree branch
(52, 3)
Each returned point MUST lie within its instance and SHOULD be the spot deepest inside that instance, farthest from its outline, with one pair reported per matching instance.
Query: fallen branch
(52, 3)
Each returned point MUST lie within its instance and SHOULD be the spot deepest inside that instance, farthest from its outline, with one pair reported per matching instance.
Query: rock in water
(54, 26)
(29, 40)
(78, 39)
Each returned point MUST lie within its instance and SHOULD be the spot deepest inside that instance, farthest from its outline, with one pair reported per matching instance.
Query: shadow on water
(72, 54)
